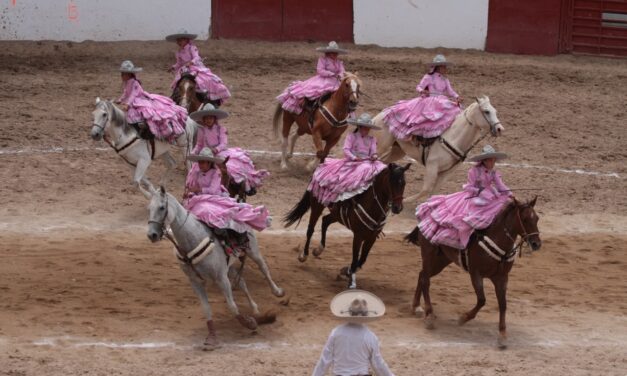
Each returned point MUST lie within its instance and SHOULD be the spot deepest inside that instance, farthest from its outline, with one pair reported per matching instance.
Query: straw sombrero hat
(127, 66)
(364, 120)
(357, 306)
(439, 60)
(208, 110)
(487, 152)
(179, 35)
(332, 47)
(205, 155)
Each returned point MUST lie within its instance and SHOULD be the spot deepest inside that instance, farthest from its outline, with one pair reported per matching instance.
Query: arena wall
(421, 23)
(102, 20)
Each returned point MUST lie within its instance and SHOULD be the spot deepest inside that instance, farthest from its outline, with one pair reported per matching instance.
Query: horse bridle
(492, 125)
(524, 237)
(163, 227)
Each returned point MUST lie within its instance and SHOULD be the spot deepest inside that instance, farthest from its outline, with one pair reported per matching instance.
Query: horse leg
(235, 275)
(365, 250)
(352, 270)
(222, 280)
(254, 254)
(316, 210)
(292, 144)
(316, 135)
(430, 180)
(140, 170)
(327, 220)
(199, 289)
(433, 261)
(500, 287)
(477, 284)
(287, 124)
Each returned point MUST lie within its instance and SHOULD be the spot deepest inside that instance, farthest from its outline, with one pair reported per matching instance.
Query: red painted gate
(321, 20)
(598, 27)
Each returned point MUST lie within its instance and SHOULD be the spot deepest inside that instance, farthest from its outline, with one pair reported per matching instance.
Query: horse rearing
(329, 120)
(365, 215)
(490, 254)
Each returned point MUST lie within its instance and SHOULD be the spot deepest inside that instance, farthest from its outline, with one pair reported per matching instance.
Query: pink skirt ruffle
(225, 213)
(340, 179)
(206, 82)
(241, 168)
(422, 116)
(165, 118)
(451, 219)
(293, 96)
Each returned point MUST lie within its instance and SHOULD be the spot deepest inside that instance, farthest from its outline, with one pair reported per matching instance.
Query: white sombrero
(208, 110)
(179, 35)
(127, 66)
(364, 120)
(205, 155)
(357, 306)
(487, 152)
(439, 60)
(332, 47)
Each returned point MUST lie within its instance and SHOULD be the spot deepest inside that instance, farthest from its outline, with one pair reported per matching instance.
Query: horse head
(185, 92)
(158, 213)
(349, 87)
(527, 224)
(100, 119)
(397, 185)
(488, 116)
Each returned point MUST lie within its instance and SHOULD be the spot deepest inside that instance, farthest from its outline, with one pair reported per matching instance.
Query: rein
(332, 120)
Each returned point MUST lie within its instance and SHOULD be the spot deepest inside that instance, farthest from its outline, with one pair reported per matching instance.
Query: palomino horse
(490, 254)
(448, 151)
(329, 121)
(202, 258)
(109, 123)
(365, 215)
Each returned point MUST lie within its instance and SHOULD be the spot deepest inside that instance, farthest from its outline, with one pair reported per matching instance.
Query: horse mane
(351, 75)
(118, 116)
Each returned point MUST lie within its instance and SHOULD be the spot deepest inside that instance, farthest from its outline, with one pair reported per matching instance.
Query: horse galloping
(365, 215)
(448, 151)
(109, 123)
(328, 120)
(202, 258)
(490, 254)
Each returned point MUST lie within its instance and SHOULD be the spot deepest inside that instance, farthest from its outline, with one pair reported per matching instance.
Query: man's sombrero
(357, 306)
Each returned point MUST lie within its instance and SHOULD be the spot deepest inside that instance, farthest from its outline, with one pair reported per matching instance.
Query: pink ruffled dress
(451, 219)
(340, 179)
(206, 81)
(424, 116)
(240, 167)
(165, 118)
(214, 206)
(327, 79)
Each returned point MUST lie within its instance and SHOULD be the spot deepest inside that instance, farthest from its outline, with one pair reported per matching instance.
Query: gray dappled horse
(202, 258)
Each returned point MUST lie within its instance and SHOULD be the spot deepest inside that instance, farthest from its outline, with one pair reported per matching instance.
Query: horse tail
(275, 119)
(298, 210)
(414, 236)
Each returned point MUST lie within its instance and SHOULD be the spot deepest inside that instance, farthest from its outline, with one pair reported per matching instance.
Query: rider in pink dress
(189, 61)
(429, 114)
(330, 71)
(208, 199)
(214, 136)
(451, 219)
(340, 179)
(165, 118)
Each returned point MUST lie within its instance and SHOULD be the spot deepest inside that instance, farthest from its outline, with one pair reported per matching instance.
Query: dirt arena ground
(82, 291)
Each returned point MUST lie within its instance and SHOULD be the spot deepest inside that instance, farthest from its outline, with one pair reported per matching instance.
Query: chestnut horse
(490, 254)
(185, 94)
(364, 214)
(329, 120)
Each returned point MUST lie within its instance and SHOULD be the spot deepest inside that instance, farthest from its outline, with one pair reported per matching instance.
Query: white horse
(109, 123)
(448, 151)
(202, 258)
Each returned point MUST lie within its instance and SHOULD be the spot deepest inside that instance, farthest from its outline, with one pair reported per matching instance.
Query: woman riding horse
(207, 198)
(189, 61)
(214, 136)
(330, 70)
(429, 114)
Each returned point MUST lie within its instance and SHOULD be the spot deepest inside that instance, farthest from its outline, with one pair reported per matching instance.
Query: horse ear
(477, 99)
(162, 190)
(407, 166)
(532, 203)
(97, 100)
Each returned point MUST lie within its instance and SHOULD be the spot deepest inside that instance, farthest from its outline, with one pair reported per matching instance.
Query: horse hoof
(302, 257)
(283, 166)
(462, 319)
(279, 292)
(429, 322)
(247, 322)
(419, 312)
(266, 318)
(502, 341)
(211, 343)
(318, 251)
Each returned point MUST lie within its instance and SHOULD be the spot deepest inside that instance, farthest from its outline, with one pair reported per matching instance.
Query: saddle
(311, 105)
(235, 244)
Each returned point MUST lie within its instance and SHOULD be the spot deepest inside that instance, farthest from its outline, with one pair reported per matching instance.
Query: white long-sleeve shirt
(351, 348)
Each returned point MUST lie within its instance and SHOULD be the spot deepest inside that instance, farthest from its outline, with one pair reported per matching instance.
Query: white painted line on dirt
(277, 153)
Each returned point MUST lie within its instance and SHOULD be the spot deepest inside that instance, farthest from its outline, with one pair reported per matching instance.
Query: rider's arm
(449, 89)
(194, 57)
(473, 184)
(222, 139)
(373, 147)
(322, 68)
(348, 146)
(424, 83)
(501, 188)
(131, 89)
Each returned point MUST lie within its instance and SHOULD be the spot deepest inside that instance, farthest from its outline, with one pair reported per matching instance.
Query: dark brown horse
(185, 94)
(490, 254)
(329, 120)
(364, 214)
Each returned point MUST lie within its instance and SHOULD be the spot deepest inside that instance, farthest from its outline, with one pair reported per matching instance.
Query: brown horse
(329, 120)
(490, 254)
(185, 94)
(364, 214)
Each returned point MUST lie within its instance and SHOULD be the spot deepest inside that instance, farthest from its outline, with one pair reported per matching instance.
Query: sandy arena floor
(82, 291)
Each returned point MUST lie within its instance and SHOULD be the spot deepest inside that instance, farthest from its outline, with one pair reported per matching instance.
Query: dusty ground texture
(83, 291)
